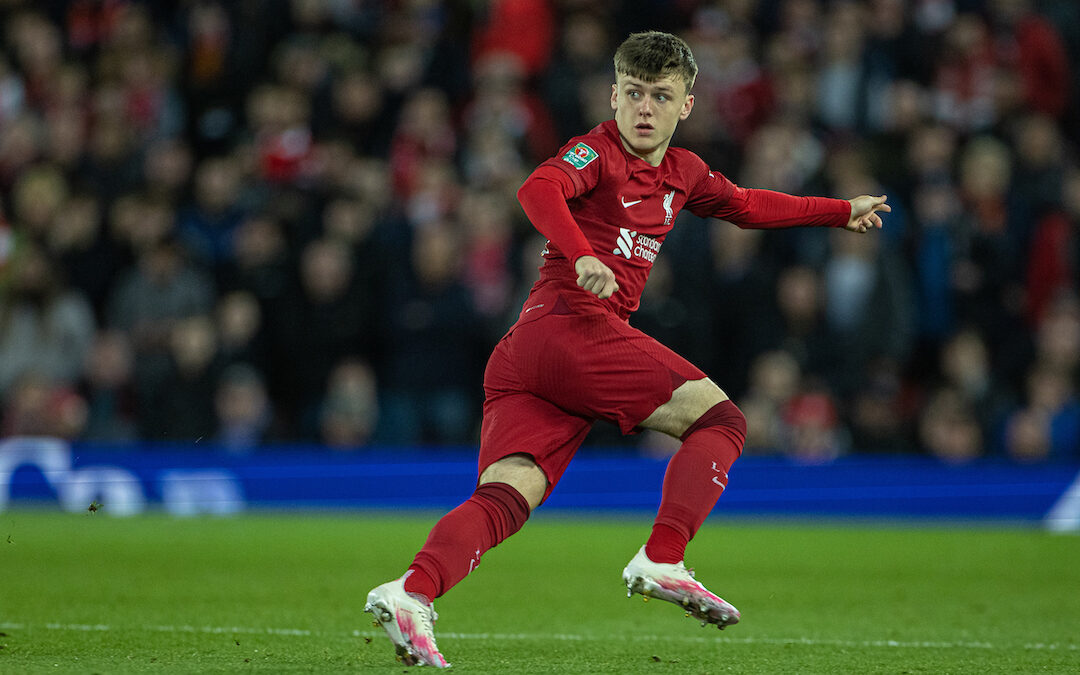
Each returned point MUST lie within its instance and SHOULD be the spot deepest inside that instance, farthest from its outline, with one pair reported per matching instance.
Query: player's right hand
(595, 277)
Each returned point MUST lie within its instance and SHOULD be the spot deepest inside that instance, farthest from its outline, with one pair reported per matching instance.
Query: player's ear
(688, 105)
(615, 97)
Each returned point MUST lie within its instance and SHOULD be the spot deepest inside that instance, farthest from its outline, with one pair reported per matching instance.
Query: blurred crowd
(249, 222)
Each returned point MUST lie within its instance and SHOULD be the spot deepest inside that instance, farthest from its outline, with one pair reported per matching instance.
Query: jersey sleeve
(571, 173)
(715, 196)
(543, 198)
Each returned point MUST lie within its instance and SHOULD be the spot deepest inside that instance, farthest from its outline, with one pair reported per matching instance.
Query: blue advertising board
(195, 479)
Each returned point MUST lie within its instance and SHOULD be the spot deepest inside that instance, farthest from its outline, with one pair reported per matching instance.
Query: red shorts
(549, 379)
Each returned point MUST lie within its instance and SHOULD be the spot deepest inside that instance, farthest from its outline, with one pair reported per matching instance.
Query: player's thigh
(521, 431)
(688, 402)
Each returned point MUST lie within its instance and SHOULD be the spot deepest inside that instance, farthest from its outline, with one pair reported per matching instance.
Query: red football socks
(695, 478)
(453, 548)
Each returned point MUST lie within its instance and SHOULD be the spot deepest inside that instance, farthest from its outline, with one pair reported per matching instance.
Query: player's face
(646, 113)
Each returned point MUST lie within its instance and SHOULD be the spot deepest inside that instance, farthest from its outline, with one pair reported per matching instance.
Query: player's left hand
(864, 213)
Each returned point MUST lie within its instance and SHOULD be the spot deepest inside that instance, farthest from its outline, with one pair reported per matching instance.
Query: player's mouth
(644, 129)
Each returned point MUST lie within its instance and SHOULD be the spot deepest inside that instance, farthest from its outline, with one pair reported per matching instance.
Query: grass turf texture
(284, 593)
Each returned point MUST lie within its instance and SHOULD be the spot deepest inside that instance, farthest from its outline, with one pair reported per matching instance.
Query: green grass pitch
(279, 593)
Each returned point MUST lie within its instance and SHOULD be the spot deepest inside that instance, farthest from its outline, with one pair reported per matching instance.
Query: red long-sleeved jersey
(595, 198)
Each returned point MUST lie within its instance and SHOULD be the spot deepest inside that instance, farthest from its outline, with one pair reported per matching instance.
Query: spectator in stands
(242, 408)
(112, 164)
(774, 380)
(261, 264)
(18, 146)
(802, 329)
(88, 258)
(486, 259)
(426, 378)
(183, 410)
(424, 135)
(937, 214)
(36, 198)
(35, 406)
(842, 78)
(1048, 427)
(491, 159)
(45, 328)
(880, 417)
(325, 317)
(350, 410)
(109, 390)
(435, 195)
(242, 337)
(740, 286)
(992, 240)
(167, 169)
(894, 60)
(1030, 52)
(37, 46)
(1051, 269)
(584, 52)
(734, 91)
(12, 91)
(1039, 167)
(359, 110)
(280, 119)
(207, 225)
(355, 223)
(161, 290)
(965, 77)
(968, 373)
(948, 428)
(1027, 436)
(813, 431)
(503, 99)
(869, 310)
(520, 29)
(1057, 340)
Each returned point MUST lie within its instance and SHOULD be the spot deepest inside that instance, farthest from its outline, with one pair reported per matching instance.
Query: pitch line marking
(559, 637)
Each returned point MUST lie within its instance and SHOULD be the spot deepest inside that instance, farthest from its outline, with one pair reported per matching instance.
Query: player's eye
(661, 98)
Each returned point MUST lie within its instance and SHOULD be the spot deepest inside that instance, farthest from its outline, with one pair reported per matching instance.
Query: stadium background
(248, 224)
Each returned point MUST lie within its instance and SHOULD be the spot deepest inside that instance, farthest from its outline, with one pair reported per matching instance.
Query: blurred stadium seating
(293, 221)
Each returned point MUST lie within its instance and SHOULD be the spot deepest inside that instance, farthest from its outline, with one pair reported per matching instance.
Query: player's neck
(653, 158)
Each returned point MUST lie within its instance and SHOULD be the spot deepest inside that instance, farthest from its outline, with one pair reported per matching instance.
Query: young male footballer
(605, 203)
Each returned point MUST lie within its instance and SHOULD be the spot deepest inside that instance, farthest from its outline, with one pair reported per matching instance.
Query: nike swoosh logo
(627, 204)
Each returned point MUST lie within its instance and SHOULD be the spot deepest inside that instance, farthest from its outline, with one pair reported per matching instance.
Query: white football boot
(408, 623)
(675, 583)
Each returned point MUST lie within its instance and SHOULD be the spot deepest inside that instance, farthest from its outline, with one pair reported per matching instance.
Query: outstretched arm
(755, 208)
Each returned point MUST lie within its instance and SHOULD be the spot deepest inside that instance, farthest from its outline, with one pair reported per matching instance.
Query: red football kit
(572, 358)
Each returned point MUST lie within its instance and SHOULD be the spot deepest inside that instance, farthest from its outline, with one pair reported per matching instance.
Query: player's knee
(521, 473)
(724, 415)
